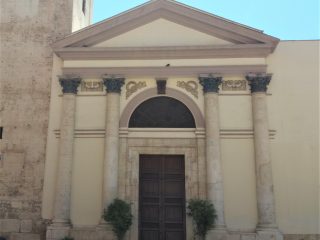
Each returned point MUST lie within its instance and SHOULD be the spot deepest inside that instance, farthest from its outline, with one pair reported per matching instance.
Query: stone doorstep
(57, 233)
(9, 225)
(24, 236)
(101, 234)
(301, 236)
(92, 234)
(260, 235)
(16, 225)
(273, 234)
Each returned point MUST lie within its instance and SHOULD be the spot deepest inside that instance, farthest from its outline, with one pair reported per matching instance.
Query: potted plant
(119, 216)
(203, 216)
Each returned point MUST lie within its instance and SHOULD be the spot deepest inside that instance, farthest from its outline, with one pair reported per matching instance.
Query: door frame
(193, 151)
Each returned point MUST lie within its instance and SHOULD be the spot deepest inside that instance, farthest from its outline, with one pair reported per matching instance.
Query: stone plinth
(57, 232)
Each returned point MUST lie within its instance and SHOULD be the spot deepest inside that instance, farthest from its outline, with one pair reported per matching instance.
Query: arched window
(162, 112)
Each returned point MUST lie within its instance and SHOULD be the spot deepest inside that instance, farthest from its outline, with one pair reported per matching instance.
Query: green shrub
(119, 216)
(67, 238)
(203, 215)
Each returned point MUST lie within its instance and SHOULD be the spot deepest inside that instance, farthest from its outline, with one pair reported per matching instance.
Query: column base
(57, 231)
(104, 226)
(269, 234)
(92, 233)
(218, 233)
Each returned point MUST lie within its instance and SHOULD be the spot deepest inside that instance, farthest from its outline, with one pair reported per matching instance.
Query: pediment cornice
(184, 52)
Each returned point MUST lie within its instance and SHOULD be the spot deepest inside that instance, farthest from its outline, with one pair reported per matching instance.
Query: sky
(284, 19)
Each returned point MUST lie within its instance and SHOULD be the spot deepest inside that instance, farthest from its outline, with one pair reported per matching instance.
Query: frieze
(91, 86)
(132, 87)
(234, 85)
(190, 86)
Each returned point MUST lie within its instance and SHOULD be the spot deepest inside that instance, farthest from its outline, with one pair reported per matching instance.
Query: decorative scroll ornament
(210, 83)
(190, 86)
(234, 85)
(69, 83)
(259, 81)
(132, 87)
(91, 86)
(113, 83)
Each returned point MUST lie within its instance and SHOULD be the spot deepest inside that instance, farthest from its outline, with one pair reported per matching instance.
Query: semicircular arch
(151, 93)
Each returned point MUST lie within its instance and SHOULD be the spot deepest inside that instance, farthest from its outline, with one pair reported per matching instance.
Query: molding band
(166, 133)
(183, 71)
(149, 53)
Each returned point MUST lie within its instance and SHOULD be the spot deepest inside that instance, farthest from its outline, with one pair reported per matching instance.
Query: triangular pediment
(163, 26)
(160, 33)
(172, 11)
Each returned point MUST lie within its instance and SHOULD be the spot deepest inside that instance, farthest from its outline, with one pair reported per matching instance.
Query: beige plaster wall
(87, 182)
(294, 113)
(239, 184)
(292, 101)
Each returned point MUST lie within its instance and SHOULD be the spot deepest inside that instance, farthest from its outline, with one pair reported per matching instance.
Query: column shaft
(64, 175)
(110, 168)
(264, 182)
(213, 156)
(110, 183)
(215, 191)
(63, 190)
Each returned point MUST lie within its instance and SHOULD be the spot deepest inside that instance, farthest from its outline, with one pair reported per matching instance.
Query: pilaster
(61, 221)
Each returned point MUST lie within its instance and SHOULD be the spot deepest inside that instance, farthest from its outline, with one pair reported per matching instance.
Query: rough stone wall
(27, 30)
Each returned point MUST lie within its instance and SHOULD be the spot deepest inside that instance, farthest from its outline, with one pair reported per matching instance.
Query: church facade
(156, 106)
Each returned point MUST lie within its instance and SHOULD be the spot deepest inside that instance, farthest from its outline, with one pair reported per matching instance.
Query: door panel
(162, 197)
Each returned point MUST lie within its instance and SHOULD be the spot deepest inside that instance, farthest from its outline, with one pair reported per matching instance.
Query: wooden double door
(162, 202)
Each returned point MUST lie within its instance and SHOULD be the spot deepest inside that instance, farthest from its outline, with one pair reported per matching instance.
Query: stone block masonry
(27, 31)
(24, 229)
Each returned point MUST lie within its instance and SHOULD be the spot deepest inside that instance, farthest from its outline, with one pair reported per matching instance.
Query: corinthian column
(264, 182)
(215, 193)
(61, 221)
(110, 168)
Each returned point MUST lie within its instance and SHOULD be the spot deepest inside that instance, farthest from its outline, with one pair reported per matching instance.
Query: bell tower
(28, 30)
(82, 14)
